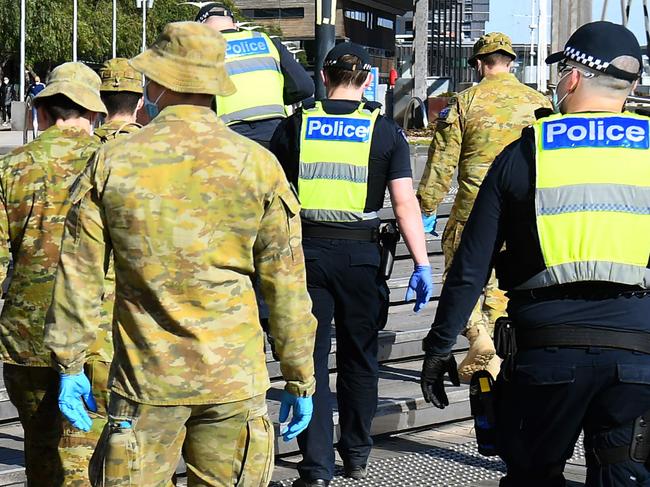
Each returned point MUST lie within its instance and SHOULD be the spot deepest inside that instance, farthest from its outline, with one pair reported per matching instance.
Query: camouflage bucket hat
(492, 42)
(187, 57)
(78, 82)
(118, 75)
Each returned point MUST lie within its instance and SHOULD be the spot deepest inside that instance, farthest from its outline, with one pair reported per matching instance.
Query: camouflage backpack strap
(122, 128)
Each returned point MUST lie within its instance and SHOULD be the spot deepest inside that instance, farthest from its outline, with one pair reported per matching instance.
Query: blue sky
(513, 17)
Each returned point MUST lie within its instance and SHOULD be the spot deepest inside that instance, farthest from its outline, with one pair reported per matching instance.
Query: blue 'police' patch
(338, 128)
(568, 133)
(247, 47)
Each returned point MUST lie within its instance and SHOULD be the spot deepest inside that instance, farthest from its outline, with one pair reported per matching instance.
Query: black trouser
(556, 393)
(6, 113)
(344, 284)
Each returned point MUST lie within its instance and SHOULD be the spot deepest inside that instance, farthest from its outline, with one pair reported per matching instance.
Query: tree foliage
(49, 30)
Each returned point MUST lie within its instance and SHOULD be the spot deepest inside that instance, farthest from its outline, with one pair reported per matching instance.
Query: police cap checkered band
(212, 9)
(597, 44)
(333, 58)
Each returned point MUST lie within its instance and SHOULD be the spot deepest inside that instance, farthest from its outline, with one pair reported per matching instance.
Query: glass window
(385, 23)
(355, 15)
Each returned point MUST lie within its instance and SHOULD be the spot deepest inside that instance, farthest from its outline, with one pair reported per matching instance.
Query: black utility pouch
(483, 405)
(388, 238)
(505, 343)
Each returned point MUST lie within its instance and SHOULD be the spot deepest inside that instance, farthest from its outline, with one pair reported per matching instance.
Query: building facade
(371, 23)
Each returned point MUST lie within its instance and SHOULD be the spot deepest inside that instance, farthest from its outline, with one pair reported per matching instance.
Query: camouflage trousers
(56, 454)
(492, 303)
(222, 444)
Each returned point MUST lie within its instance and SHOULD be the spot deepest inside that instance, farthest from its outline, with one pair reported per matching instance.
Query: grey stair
(400, 407)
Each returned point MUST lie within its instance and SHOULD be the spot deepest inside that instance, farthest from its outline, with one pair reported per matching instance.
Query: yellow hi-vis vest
(592, 199)
(334, 157)
(253, 64)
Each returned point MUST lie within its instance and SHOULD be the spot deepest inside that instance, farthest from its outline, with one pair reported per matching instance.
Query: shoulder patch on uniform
(444, 113)
(403, 134)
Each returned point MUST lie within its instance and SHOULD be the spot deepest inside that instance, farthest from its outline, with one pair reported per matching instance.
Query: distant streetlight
(22, 50)
(74, 30)
(114, 28)
(144, 4)
(325, 38)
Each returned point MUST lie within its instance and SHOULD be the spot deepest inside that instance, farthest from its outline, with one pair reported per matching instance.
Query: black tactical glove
(431, 381)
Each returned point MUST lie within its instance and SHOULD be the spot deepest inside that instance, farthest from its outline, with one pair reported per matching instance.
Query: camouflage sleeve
(280, 263)
(74, 315)
(444, 154)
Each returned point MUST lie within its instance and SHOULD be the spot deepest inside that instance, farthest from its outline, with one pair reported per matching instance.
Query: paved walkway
(443, 456)
(9, 139)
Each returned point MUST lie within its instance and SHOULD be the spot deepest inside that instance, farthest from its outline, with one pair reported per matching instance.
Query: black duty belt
(360, 234)
(568, 336)
(551, 293)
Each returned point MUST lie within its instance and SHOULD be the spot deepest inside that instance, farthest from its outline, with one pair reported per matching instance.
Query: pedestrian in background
(470, 132)
(34, 89)
(190, 210)
(35, 181)
(7, 95)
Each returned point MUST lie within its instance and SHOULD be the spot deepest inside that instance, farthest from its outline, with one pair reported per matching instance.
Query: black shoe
(357, 472)
(310, 483)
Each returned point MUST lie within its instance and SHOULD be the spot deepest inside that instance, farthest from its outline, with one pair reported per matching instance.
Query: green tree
(49, 29)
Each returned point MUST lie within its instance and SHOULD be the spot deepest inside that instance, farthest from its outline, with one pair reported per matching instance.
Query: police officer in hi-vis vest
(340, 154)
(265, 73)
(571, 201)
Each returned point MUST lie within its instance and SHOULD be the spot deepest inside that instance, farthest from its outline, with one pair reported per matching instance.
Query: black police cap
(212, 9)
(333, 58)
(597, 44)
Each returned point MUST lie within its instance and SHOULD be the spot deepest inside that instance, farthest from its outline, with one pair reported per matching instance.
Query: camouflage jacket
(111, 130)
(35, 180)
(103, 345)
(470, 133)
(191, 211)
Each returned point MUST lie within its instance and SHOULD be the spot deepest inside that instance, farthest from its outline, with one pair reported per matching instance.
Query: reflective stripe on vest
(253, 63)
(592, 199)
(334, 157)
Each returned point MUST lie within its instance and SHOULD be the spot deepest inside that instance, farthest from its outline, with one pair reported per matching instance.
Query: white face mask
(557, 102)
(6, 80)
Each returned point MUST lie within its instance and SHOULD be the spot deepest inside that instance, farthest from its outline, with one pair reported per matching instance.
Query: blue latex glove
(71, 391)
(420, 286)
(429, 223)
(302, 407)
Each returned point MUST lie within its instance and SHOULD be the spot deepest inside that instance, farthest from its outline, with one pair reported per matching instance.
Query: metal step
(400, 407)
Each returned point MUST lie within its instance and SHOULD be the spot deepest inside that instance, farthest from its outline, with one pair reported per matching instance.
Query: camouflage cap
(118, 75)
(79, 83)
(492, 42)
(187, 57)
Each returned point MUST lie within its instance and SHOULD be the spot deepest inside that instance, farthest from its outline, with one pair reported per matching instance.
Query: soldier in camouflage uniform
(34, 185)
(471, 131)
(122, 94)
(190, 211)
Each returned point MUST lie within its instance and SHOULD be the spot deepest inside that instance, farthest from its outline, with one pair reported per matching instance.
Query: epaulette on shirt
(543, 112)
(372, 105)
